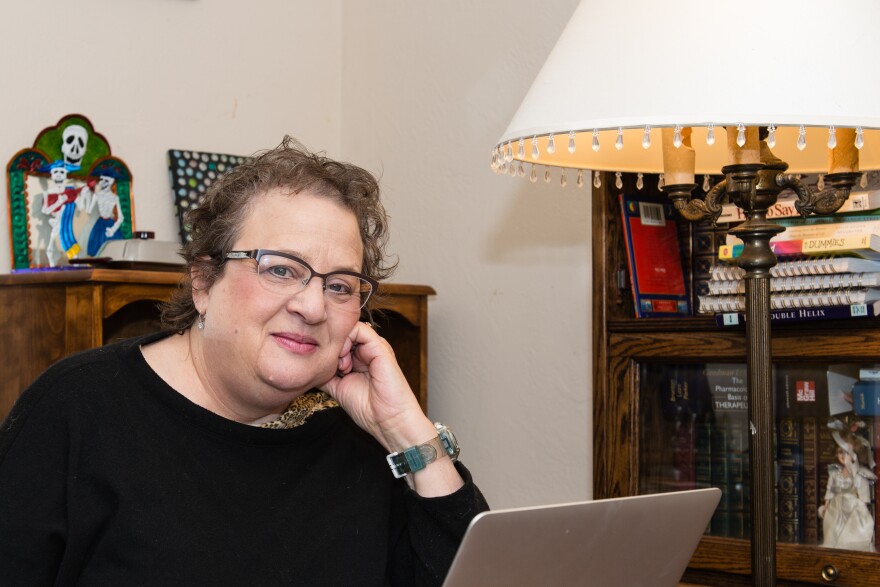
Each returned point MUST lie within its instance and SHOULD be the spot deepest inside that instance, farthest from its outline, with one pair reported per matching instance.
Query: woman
(217, 452)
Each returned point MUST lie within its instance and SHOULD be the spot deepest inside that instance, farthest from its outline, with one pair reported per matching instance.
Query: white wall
(216, 75)
(428, 87)
(415, 91)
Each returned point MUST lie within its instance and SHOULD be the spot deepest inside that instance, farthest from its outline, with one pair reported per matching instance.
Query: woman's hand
(372, 389)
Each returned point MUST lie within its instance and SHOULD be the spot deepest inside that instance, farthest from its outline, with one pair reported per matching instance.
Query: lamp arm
(713, 200)
(806, 203)
(828, 200)
(695, 209)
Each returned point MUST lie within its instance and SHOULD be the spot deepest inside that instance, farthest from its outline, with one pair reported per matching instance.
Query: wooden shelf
(621, 343)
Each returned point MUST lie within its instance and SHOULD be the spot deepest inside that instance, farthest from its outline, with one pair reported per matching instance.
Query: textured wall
(427, 90)
(214, 75)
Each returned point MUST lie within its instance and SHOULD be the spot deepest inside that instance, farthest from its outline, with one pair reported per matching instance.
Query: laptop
(628, 541)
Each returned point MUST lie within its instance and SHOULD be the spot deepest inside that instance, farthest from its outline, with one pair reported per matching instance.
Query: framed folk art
(68, 195)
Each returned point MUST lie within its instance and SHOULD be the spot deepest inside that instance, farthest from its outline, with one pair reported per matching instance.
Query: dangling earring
(200, 322)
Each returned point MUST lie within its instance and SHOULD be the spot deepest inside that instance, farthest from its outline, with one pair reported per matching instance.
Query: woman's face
(263, 348)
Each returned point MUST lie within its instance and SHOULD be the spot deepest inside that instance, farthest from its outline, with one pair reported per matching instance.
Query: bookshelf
(635, 361)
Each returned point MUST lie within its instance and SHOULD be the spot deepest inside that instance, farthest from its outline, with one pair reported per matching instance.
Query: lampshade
(805, 67)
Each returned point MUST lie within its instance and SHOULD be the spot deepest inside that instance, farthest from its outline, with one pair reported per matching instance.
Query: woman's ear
(201, 289)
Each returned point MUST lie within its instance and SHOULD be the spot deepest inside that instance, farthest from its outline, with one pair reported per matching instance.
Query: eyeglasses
(285, 274)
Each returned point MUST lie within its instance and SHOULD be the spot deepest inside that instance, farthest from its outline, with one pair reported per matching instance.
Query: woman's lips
(296, 343)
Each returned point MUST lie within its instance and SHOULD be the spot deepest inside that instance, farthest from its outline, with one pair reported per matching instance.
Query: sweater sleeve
(33, 473)
(432, 532)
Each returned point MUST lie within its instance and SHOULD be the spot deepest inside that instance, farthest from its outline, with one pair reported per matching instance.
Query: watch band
(417, 457)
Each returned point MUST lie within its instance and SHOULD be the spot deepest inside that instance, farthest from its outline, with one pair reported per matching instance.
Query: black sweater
(110, 477)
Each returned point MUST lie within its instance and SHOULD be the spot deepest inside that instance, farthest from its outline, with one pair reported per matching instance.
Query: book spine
(860, 244)
(812, 494)
(821, 231)
(784, 207)
(866, 398)
(790, 485)
(802, 314)
(827, 456)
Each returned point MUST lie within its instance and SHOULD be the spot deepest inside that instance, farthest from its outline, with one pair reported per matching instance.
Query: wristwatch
(416, 458)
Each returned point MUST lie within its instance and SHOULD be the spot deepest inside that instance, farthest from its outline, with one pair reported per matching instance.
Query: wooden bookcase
(621, 343)
(47, 315)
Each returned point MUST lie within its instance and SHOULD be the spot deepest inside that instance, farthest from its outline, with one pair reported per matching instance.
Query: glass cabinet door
(694, 432)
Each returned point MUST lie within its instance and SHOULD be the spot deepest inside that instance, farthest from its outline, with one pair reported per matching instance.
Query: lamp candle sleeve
(750, 152)
(678, 162)
(844, 158)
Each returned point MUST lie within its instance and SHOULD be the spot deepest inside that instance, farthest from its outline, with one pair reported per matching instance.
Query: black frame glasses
(297, 282)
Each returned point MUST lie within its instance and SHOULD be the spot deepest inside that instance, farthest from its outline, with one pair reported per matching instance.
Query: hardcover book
(654, 257)
(840, 312)
(802, 403)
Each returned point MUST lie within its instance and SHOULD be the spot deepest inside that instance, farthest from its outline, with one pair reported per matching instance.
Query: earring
(200, 322)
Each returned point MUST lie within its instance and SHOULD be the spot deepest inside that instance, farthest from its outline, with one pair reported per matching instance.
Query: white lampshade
(628, 64)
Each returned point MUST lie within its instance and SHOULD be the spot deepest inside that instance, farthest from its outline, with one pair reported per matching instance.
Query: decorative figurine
(846, 521)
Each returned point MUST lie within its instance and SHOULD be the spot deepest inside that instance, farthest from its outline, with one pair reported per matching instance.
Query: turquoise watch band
(416, 458)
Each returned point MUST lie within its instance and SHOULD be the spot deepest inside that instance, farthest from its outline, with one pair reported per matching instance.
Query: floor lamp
(762, 91)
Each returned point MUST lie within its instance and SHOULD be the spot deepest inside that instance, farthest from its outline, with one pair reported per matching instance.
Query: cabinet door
(683, 397)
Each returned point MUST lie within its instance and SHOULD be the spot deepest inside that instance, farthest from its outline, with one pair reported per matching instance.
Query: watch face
(450, 443)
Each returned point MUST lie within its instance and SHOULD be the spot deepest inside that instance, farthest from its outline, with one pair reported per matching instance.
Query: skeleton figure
(57, 205)
(110, 214)
(74, 140)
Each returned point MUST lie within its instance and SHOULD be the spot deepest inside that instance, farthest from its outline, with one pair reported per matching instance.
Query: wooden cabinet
(623, 345)
(47, 315)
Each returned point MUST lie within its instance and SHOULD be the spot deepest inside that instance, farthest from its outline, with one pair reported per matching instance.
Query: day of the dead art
(68, 195)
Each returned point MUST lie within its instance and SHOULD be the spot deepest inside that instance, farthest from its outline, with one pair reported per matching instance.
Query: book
(784, 206)
(813, 494)
(789, 300)
(865, 245)
(654, 256)
(799, 283)
(823, 230)
(811, 266)
(843, 312)
(790, 483)
(866, 398)
(729, 446)
(802, 401)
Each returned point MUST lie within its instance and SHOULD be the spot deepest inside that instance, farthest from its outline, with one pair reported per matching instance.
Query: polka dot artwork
(191, 174)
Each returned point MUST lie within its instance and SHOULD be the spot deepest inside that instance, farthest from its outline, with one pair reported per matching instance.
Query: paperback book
(654, 257)
(791, 300)
(812, 266)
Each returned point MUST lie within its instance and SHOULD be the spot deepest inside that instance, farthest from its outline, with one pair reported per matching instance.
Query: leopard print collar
(300, 409)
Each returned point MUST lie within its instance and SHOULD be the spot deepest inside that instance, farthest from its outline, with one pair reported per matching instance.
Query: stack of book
(803, 289)
(829, 267)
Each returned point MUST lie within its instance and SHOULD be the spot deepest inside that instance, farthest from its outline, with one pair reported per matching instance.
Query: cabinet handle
(829, 573)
